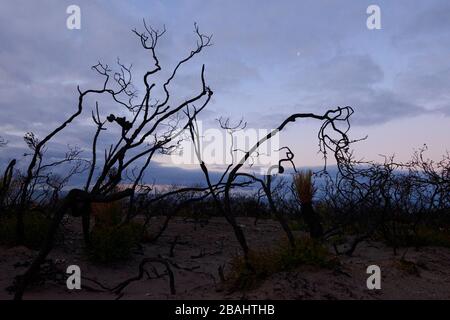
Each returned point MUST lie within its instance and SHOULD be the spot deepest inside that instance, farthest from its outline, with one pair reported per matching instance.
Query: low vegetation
(36, 228)
(264, 263)
(398, 203)
(112, 241)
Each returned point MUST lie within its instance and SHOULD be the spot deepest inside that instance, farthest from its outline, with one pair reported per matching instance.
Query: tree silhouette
(152, 128)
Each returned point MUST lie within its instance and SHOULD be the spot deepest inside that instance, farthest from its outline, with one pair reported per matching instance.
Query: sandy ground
(202, 249)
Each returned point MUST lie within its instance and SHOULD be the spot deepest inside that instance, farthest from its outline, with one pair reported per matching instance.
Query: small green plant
(281, 258)
(114, 243)
(422, 237)
(297, 225)
(433, 237)
(36, 225)
(307, 251)
(110, 240)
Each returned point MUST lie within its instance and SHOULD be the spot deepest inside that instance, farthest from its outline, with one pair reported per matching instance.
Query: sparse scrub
(423, 236)
(114, 243)
(36, 226)
(111, 240)
(297, 225)
(265, 263)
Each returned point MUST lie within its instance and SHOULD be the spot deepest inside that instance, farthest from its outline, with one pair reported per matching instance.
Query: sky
(269, 59)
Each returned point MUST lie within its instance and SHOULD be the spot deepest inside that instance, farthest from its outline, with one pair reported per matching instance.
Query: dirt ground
(202, 249)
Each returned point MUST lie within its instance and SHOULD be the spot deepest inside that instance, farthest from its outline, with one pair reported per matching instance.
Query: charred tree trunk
(281, 220)
(7, 177)
(86, 221)
(83, 209)
(312, 220)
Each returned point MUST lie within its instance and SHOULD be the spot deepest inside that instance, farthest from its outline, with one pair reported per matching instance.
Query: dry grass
(304, 186)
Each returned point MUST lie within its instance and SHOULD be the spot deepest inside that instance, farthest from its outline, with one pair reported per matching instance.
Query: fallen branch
(118, 289)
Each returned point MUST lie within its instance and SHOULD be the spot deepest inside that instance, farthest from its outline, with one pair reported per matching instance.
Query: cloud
(343, 73)
(349, 80)
(268, 60)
